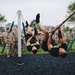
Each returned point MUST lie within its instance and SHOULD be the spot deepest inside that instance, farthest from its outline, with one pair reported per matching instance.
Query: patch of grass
(72, 48)
(5, 52)
(40, 51)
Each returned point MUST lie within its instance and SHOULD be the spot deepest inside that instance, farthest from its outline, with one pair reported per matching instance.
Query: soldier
(40, 36)
(23, 43)
(9, 42)
(0, 38)
(70, 36)
(55, 37)
(3, 33)
(47, 45)
(32, 41)
(15, 34)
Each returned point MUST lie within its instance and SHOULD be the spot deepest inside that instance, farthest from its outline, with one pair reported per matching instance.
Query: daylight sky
(52, 12)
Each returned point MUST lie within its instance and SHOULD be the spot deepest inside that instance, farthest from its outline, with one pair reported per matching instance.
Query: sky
(52, 12)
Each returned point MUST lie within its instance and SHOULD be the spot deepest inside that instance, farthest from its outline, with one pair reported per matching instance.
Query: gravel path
(39, 64)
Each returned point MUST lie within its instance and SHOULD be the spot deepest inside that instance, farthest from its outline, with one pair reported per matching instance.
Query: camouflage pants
(9, 49)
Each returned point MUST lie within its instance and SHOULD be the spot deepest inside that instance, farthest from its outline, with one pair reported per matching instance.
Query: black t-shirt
(33, 40)
(28, 36)
(55, 50)
(53, 42)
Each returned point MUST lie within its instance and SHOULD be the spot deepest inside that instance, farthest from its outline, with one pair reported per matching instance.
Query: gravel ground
(39, 64)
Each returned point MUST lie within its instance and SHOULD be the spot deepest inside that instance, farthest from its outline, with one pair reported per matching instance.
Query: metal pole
(19, 33)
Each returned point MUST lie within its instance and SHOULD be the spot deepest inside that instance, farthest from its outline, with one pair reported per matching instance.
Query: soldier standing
(70, 36)
(15, 34)
(23, 42)
(9, 42)
(0, 38)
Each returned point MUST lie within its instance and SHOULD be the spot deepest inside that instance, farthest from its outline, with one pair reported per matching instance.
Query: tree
(67, 28)
(2, 18)
(71, 8)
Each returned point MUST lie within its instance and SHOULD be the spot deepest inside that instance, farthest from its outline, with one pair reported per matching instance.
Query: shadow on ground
(39, 64)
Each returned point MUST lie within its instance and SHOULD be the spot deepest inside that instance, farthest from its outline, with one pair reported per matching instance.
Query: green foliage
(72, 48)
(67, 29)
(71, 8)
(5, 52)
(2, 18)
(40, 51)
(72, 19)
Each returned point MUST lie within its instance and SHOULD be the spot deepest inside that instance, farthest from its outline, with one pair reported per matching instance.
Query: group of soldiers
(11, 39)
(68, 36)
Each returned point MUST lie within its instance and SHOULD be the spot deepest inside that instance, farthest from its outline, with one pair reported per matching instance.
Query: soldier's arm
(37, 40)
(40, 32)
(29, 39)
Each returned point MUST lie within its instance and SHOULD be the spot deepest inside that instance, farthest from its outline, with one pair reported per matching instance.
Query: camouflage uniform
(9, 43)
(55, 37)
(3, 34)
(40, 36)
(0, 38)
(15, 36)
(23, 42)
(70, 36)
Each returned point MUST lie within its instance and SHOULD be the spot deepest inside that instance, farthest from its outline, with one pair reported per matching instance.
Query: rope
(15, 17)
(22, 17)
